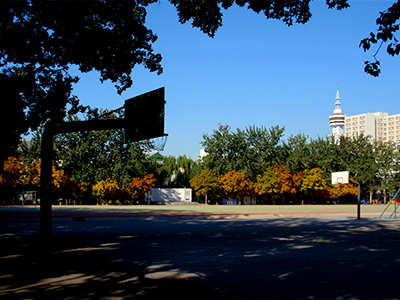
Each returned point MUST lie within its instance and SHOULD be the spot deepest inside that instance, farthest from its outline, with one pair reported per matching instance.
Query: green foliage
(388, 24)
(358, 157)
(387, 158)
(256, 151)
(297, 152)
(92, 156)
(249, 151)
(245, 162)
(176, 172)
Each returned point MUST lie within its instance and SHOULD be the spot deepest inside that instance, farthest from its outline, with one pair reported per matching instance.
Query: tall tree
(237, 184)
(297, 151)
(269, 182)
(387, 158)
(249, 151)
(205, 184)
(357, 156)
(138, 186)
(279, 181)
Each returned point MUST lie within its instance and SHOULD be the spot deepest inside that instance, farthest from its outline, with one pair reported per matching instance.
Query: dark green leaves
(388, 25)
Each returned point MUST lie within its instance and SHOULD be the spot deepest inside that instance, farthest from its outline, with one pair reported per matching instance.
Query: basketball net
(158, 143)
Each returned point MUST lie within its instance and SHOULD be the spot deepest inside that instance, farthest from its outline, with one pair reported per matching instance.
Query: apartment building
(379, 125)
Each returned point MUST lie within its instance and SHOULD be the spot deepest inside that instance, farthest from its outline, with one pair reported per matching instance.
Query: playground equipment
(396, 206)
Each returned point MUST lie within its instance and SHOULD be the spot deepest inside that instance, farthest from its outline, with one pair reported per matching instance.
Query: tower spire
(338, 107)
(336, 120)
(337, 92)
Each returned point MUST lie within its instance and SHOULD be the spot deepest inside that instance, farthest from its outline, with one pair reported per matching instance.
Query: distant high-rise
(380, 126)
(337, 119)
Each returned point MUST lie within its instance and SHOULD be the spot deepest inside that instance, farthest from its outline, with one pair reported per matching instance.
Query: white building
(337, 119)
(165, 195)
(203, 153)
(379, 125)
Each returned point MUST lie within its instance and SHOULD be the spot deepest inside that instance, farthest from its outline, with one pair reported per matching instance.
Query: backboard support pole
(46, 195)
(358, 202)
(140, 128)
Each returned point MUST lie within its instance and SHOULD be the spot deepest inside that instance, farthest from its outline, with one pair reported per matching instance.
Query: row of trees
(276, 185)
(20, 175)
(95, 165)
(257, 150)
(101, 165)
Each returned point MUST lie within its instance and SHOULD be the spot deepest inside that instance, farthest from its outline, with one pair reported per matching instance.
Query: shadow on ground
(201, 257)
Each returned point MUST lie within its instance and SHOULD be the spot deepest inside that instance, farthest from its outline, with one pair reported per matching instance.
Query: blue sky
(258, 72)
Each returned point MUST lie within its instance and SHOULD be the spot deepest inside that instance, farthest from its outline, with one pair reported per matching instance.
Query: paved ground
(293, 254)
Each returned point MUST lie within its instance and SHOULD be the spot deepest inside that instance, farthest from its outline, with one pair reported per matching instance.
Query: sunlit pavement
(278, 255)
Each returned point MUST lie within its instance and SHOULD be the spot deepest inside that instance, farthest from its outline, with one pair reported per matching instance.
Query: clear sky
(259, 72)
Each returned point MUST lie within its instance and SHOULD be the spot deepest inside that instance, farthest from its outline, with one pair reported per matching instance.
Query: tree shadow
(203, 257)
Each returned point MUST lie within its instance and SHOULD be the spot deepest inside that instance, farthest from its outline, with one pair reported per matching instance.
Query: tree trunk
(384, 196)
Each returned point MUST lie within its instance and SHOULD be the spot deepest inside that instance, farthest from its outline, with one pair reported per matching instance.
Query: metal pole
(45, 222)
(46, 197)
(358, 203)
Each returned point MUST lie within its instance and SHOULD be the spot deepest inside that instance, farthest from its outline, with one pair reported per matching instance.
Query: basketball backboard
(144, 116)
(340, 177)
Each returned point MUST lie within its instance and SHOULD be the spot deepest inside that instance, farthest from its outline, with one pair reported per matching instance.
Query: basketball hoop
(158, 143)
(339, 178)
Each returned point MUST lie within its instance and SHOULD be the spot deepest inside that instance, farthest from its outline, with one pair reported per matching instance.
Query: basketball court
(201, 252)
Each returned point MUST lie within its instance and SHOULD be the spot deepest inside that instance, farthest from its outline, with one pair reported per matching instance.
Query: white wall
(169, 195)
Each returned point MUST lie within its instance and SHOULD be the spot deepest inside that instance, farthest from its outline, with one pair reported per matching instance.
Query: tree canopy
(279, 166)
(296, 170)
(41, 40)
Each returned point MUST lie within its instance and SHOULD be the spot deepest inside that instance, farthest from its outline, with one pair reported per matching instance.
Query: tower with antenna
(337, 119)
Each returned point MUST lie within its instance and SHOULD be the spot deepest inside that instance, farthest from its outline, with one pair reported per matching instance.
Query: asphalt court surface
(297, 253)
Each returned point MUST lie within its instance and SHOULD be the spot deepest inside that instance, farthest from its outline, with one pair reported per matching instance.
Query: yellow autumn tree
(237, 184)
(18, 173)
(138, 186)
(205, 183)
(13, 171)
(106, 190)
(290, 182)
(341, 190)
(313, 183)
(32, 173)
(269, 182)
(278, 181)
